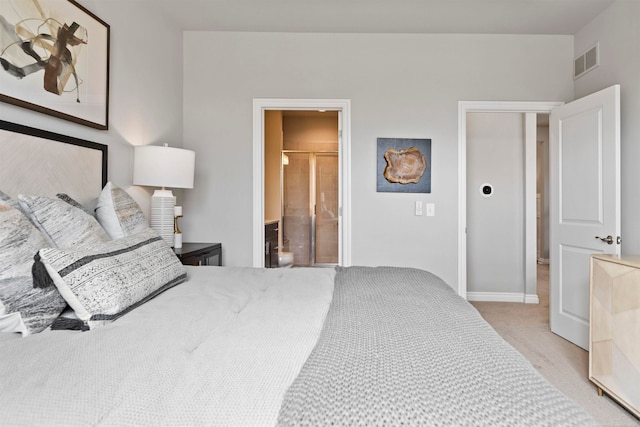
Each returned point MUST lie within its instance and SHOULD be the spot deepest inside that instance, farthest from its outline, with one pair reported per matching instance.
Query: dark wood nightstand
(199, 253)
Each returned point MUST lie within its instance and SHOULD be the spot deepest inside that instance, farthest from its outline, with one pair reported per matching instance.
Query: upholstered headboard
(37, 162)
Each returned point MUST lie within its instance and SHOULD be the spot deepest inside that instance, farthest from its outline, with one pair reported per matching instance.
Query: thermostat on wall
(486, 190)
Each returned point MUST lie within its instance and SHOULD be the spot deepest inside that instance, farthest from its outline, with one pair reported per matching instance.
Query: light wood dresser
(614, 332)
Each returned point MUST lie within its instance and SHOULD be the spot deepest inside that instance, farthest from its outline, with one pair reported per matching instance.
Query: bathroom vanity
(271, 244)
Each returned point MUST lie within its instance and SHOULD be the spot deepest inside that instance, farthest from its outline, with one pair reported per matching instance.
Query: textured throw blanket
(399, 347)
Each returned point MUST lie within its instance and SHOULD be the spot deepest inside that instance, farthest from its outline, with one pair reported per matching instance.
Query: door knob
(608, 240)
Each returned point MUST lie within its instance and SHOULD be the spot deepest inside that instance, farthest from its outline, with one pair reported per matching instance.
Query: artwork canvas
(54, 57)
(404, 165)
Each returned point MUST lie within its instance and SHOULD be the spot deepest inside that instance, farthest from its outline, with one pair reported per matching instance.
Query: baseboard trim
(503, 297)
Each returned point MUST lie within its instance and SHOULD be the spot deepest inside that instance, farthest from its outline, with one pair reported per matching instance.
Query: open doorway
(502, 149)
(584, 159)
(496, 223)
(301, 186)
(327, 184)
(529, 111)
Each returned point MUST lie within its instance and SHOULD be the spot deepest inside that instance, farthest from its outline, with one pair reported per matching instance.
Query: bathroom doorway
(269, 153)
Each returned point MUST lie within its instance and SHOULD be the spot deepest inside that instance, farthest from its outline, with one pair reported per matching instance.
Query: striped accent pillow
(102, 283)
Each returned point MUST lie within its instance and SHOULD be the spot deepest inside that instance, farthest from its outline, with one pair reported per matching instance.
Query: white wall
(399, 86)
(617, 31)
(495, 224)
(145, 89)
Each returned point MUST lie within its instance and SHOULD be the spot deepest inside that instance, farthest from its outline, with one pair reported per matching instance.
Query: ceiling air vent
(586, 62)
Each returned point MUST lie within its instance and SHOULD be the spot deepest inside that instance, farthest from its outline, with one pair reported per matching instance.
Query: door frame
(464, 107)
(343, 106)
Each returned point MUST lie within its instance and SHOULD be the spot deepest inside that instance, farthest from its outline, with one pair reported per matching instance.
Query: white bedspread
(216, 350)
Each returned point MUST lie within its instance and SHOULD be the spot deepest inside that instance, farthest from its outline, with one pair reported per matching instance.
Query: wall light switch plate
(431, 209)
(418, 208)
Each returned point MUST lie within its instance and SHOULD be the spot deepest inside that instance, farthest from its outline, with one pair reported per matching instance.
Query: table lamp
(163, 166)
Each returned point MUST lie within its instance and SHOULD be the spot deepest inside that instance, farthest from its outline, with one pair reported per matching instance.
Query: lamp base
(162, 219)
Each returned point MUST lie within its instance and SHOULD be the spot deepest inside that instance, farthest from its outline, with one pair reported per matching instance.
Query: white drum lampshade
(157, 166)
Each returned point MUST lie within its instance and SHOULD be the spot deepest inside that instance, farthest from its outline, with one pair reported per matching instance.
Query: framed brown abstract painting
(54, 57)
(404, 165)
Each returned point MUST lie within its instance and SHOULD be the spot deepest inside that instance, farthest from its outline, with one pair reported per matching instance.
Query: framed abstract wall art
(54, 57)
(404, 165)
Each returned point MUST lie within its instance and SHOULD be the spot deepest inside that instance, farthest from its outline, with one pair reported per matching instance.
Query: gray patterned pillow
(23, 308)
(118, 213)
(104, 282)
(62, 224)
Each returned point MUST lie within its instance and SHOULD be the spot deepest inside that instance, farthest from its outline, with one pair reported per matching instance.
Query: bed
(138, 339)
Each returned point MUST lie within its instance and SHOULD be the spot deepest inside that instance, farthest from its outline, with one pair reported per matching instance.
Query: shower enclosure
(310, 207)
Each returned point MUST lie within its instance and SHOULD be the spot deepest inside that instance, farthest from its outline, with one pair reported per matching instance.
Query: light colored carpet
(565, 365)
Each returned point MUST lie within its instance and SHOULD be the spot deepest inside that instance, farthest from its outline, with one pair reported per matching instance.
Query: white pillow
(118, 213)
(62, 224)
(104, 282)
(23, 308)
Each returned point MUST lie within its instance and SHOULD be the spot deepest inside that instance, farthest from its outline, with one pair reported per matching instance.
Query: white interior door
(585, 204)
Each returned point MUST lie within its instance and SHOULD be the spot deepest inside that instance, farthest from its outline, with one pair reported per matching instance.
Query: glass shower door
(310, 208)
(326, 208)
(296, 220)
